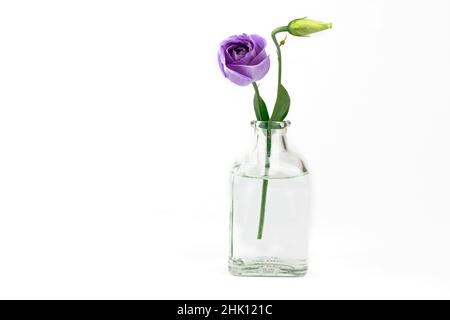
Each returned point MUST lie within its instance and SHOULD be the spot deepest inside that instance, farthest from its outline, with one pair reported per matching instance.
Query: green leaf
(282, 104)
(260, 107)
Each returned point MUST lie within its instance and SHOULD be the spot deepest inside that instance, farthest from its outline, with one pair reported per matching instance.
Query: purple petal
(259, 41)
(221, 66)
(254, 72)
(237, 77)
(257, 60)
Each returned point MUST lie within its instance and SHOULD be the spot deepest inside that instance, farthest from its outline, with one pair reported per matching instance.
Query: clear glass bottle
(270, 207)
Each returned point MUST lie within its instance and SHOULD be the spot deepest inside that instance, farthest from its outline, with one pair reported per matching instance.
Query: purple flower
(243, 59)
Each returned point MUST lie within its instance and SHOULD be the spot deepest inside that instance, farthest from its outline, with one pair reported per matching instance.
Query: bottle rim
(270, 124)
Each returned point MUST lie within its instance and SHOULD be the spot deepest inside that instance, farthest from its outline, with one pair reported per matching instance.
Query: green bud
(303, 27)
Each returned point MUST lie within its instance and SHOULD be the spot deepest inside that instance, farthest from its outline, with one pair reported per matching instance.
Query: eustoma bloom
(242, 58)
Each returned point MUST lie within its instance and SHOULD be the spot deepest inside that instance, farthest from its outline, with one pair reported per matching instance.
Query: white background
(118, 131)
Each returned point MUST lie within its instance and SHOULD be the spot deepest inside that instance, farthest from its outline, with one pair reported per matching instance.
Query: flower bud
(303, 27)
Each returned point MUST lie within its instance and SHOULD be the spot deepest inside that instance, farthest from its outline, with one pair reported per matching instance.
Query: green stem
(255, 86)
(265, 184)
(277, 45)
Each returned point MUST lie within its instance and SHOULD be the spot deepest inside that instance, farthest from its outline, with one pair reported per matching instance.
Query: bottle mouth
(270, 124)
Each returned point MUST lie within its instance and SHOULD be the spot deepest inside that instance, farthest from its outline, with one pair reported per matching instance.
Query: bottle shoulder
(286, 164)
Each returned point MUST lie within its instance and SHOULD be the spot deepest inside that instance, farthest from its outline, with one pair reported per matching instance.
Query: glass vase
(270, 207)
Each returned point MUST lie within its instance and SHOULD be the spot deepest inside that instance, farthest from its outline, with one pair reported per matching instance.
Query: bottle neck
(271, 139)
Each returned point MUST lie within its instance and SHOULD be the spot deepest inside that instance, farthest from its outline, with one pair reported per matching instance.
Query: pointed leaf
(260, 108)
(282, 104)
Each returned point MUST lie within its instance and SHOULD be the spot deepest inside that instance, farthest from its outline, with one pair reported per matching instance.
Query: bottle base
(267, 267)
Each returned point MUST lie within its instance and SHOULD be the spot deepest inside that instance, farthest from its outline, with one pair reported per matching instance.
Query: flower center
(239, 51)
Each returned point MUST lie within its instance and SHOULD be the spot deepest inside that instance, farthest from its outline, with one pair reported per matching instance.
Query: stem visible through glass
(265, 184)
